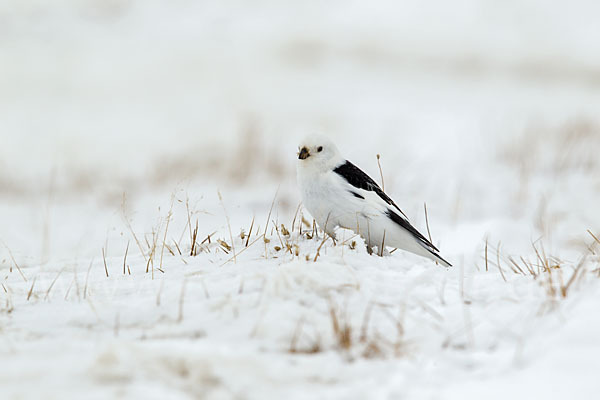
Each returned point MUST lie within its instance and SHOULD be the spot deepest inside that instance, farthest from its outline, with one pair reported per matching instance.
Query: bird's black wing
(406, 225)
(357, 178)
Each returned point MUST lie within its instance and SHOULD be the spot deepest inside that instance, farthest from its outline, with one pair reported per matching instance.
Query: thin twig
(177, 246)
(594, 236)
(270, 210)
(268, 219)
(486, 254)
(31, 288)
(193, 237)
(104, 258)
(14, 262)
(499, 266)
(380, 173)
(295, 215)
(125, 257)
(321, 245)
(241, 251)
(228, 227)
(250, 231)
(86, 279)
(189, 223)
(166, 229)
(131, 228)
(427, 223)
(382, 245)
(53, 282)
(566, 287)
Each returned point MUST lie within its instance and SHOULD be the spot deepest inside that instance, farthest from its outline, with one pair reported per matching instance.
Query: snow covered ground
(129, 129)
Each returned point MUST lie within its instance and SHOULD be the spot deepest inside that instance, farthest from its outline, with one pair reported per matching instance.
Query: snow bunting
(338, 193)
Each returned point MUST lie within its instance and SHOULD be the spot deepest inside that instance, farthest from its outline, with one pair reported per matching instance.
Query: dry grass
(558, 149)
(250, 158)
(352, 340)
(14, 262)
(557, 277)
(104, 259)
(8, 306)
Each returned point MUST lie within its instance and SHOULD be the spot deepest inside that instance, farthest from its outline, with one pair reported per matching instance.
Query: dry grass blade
(365, 324)
(539, 257)
(265, 239)
(139, 244)
(31, 288)
(594, 236)
(177, 247)
(169, 215)
(270, 211)
(382, 245)
(125, 257)
(351, 238)
(207, 238)
(380, 172)
(278, 234)
(153, 247)
(69, 289)
(87, 276)
(319, 248)
(427, 223)
(169, 249)
(498, 260)
(341, 329)
(14, 262)
(250, 232)
(228, 227)
(565, 288)
(224, 246)
(53, 282)
(104, 259)
(529, 266)
(296, 215)
(486, 255)
(189, 224)
(240, 252)
(513, 262)
(193, 237)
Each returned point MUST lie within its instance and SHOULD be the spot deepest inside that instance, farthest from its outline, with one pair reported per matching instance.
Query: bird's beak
(304, 154)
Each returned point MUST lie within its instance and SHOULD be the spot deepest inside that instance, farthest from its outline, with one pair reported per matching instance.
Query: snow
(116, 117)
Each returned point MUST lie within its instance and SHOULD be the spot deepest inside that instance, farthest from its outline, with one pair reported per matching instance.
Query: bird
(339, 194)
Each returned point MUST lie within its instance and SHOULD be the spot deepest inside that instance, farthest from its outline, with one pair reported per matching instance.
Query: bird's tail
(437, 258)
(432, 254)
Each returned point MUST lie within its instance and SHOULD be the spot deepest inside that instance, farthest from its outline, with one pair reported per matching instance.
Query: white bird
(337, 193)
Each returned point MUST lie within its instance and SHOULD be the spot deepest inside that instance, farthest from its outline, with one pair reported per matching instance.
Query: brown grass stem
(228, 227)
(125, 257)
(104, 259)
(380, 172)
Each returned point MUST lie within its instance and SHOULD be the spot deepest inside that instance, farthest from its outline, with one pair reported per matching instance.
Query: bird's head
(317, 151)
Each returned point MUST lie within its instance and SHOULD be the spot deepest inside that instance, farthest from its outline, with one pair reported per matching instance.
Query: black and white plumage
(338, 193)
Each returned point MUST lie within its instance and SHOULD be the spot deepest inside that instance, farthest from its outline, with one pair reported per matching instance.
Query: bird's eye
(320, 149)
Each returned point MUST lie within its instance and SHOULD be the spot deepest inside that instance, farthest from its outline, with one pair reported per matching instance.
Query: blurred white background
(106, 95)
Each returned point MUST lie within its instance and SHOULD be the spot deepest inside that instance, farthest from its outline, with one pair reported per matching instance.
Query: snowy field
(152, 240)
